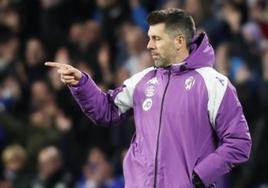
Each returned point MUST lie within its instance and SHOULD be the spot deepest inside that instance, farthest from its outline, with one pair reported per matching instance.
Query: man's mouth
(154, 54)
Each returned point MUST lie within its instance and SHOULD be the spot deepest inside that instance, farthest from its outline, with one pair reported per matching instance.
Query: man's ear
(179, 42)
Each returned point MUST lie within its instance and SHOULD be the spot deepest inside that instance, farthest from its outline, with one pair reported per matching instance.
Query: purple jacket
(187, 117)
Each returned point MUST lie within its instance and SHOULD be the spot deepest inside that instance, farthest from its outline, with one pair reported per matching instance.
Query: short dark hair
(176, 21)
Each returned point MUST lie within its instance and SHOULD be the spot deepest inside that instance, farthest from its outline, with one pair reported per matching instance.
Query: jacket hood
(201, 53)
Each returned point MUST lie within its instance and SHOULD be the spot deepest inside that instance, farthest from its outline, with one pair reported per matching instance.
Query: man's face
(161, 45)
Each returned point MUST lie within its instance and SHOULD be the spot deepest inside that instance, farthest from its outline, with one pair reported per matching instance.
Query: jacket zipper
(159, 129)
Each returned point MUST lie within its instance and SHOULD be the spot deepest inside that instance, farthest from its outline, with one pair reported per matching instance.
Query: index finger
(55, 64)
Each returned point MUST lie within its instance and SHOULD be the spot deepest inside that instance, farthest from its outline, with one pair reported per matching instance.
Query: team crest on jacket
(150, 91)
(147, 104)
(189, 83)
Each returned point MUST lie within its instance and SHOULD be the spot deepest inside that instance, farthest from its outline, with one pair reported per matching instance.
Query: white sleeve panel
(124, 99)
(216, 84)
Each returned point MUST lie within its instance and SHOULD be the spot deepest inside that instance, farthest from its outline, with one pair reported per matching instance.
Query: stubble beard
(162, 62)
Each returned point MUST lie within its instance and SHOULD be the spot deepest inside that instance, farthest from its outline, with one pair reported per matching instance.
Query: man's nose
(150, 45)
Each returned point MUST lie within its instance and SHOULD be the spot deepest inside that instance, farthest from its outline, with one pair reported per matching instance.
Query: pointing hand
(68, 74)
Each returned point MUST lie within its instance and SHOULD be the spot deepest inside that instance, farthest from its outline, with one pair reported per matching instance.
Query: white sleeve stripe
(216, 84)
(124, 99)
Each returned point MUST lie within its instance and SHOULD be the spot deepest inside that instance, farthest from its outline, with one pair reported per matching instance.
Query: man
(190, 128)
(50, 170)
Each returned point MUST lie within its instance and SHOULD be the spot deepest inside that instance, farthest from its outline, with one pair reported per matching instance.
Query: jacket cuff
(211, 168)
(82, 81)
(197, 182)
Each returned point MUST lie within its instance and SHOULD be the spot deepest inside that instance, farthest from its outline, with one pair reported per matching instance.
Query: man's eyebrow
(153, 36)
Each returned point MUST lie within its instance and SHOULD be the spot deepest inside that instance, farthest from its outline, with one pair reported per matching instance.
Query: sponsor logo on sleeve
(220, 80)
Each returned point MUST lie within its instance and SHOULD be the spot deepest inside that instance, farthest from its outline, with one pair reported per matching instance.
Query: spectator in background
(10, 16)
(130, 47)
(41, 95)
(54, 22)
(104, 59)
(257, 171)
(258, 11)
(139, 14)
(172, 4)
(15, 159)
(200, 11)
(75, 33)
(84, 46)
(111, 14)
(34, 56)
(10, 94)
(235, 17)
(40, 130)
(9, 45)
(97, 172)
(222, 59)
(135, 43)
(50, 170)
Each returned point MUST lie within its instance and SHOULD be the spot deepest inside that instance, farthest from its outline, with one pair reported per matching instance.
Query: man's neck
(179, 58)
(182, 56)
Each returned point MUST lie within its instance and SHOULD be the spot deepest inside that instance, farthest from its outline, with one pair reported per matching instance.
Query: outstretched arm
(99, 106)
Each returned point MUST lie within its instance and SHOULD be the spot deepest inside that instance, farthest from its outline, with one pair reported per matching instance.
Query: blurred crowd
(45, 139)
